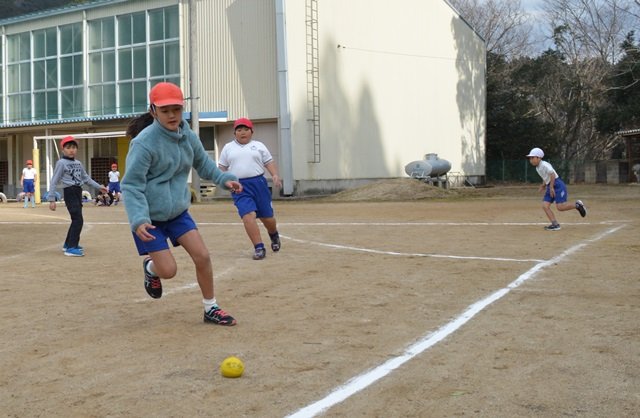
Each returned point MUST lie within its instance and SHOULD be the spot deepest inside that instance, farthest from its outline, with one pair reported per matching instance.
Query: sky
(531, 5)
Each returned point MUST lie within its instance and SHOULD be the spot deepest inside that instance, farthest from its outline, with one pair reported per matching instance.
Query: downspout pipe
(286, 154)
(193, 87)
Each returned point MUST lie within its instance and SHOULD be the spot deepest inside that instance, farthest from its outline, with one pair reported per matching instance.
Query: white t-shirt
(29, 173)
(546, 170)
(114, 176)
(246, 160)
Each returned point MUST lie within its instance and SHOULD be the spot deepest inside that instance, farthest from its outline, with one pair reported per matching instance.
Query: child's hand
(234, 186)
(277, 181)
(143, 234)
(104, 189)
(52, 205)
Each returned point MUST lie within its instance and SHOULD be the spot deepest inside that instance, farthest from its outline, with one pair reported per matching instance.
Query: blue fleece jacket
(158, 166)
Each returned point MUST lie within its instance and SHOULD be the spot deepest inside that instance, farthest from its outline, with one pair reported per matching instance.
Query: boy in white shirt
(114, 183)
(555, 190)
(28, 181)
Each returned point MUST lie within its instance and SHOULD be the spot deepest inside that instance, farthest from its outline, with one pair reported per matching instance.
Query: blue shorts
(114, 186)
(28, 186)
(561, 193)
(255, 197)
(172, 229)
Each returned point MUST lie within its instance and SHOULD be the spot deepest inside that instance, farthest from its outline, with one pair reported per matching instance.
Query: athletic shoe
(260, 253)
(152, 284)
(275, 243)
(80, 247)
(553, 227)
(581, 208)
(217, 316)
(74, 252)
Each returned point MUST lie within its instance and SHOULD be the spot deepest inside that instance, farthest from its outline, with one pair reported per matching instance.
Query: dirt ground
(459, 300)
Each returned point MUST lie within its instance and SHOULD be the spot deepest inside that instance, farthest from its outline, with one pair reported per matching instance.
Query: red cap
(166, 94)
(68, 139)
(243, 122)
(29, 162)
(114, 165)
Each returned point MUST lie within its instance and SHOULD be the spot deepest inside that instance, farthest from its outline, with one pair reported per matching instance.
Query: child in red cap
(161, 156)
(71, 173)
(114, 183)
(27, 181)
(249, 159)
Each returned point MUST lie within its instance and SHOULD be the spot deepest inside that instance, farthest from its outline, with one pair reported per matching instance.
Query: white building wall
(237, 57)
(397, 81)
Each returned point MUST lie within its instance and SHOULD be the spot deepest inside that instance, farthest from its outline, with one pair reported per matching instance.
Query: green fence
(522, 171)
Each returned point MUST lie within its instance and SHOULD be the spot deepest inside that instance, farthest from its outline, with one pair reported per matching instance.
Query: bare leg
(546, 206)
(565, 206)
(164, 265)
(270, 224)
(196, 248)
(251, 227)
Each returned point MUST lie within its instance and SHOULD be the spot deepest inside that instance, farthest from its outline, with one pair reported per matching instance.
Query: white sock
(209, 303)
(149, 268)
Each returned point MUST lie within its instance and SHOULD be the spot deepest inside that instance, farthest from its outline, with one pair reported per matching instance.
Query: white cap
(536, 152)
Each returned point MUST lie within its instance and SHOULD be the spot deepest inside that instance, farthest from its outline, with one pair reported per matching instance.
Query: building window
(164, 47)
(45, 74)
(71, 71)
(102, 67)
(19, 77)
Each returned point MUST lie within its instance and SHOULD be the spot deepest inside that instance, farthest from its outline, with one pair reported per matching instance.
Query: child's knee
(201, 258)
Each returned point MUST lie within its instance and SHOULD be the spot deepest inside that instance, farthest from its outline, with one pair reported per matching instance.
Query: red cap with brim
(29, 162)
(166, 94)
(68, 139)
(243, 122)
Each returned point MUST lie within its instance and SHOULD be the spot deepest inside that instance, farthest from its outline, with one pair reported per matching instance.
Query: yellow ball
(231, 367)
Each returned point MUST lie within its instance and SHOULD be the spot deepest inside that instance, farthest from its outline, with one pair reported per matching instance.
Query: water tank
(431, 166)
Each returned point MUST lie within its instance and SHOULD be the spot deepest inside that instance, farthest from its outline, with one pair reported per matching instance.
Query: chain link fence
(571, 171)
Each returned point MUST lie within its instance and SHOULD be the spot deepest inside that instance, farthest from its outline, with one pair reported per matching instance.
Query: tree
(503, 24)
(622, 109)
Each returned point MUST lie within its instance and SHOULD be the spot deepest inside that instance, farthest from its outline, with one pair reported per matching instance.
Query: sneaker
(260, 253)
(553, 227)
(217, 316)
(581, 208)
(275, 243)
(80, 247)
(74, 252)
(152, 284)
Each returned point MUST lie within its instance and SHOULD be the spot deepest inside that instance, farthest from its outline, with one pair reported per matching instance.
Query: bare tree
(503, 24)
(584, 29)
(588, 35)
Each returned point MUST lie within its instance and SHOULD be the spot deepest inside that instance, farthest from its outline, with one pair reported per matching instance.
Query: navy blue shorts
(172, 229)
(114, 186)
(561, 193)
(28, 186)
(255, 197)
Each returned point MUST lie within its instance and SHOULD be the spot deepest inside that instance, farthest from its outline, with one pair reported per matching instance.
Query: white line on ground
(364, 380)
(66, 222)
(368, 250)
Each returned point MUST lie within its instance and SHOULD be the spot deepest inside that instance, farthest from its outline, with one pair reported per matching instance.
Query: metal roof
(67, 120)
(57, 11)
(220, 116)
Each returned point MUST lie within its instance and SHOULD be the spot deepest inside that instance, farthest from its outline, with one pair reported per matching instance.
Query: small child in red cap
(28, 181)
(114, 183)
(71, 173)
